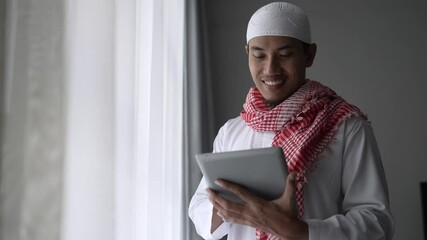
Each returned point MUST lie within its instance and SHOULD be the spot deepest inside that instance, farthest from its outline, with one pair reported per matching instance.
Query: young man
(337, 187)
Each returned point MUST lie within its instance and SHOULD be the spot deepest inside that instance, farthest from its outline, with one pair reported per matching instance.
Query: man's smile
(273, 82)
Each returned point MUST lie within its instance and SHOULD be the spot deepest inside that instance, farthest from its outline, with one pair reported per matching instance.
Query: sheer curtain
(93, 120)
(32, 150)
(160, 29)
(136, 139)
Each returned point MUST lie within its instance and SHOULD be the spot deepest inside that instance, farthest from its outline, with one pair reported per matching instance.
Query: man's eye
(285, 55)
(258, 56)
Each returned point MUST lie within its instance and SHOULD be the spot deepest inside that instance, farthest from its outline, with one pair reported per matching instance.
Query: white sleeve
(365, 206)
(200, 212)
(200, 208)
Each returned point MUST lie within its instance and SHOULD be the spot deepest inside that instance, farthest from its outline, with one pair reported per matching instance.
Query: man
(337, 187)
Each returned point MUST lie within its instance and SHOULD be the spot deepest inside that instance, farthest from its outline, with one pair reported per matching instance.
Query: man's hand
(278, 217)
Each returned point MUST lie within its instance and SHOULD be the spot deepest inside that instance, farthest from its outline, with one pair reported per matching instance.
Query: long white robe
(346, 196)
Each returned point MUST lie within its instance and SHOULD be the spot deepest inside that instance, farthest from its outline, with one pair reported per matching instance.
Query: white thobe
(346, 196)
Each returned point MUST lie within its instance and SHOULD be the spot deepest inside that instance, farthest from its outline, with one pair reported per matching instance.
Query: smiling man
(277, 65)
(337, 187)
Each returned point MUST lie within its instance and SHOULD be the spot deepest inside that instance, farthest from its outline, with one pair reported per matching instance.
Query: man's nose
(272, 66)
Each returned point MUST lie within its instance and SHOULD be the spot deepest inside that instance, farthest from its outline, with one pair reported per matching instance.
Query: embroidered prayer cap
(279, 19)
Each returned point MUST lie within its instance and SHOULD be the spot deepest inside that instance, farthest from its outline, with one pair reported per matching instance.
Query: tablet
(262, 171)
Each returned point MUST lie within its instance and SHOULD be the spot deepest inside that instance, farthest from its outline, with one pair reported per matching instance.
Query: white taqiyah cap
(279, 19)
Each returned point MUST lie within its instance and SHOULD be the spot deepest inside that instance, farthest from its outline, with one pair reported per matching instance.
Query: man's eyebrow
(256, 48)
(284, 47)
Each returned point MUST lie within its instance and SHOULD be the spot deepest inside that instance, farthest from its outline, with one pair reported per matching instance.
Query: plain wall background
(373, 54)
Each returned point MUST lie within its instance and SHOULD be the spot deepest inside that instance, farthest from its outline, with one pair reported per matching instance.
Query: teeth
(273, 83)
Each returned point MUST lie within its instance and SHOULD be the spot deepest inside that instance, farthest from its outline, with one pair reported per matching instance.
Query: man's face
(277, 65)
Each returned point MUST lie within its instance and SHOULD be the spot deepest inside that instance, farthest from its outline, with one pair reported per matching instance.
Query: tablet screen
(261, 171)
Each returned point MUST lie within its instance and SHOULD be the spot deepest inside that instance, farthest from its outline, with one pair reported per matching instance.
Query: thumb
(288, 197)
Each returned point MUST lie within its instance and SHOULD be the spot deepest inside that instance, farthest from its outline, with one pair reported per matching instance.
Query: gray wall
(373, 54)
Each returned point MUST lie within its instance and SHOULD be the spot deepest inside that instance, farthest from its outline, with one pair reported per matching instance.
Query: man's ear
(311, 53)
(247, 49)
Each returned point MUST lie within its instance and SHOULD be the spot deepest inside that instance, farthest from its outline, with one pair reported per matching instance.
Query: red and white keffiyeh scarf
(304, 125)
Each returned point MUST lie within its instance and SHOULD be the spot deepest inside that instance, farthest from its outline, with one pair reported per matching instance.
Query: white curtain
(160, 111)
(135, 140)
(93, 140)
(89, 175)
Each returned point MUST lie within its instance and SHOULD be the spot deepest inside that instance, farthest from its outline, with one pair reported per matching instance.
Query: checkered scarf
(304, 124)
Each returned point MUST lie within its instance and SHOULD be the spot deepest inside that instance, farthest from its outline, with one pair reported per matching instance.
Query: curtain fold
(2, 66)
(33, 135)
(88, 206)
(159, 141)
(198, 104)
(93, 119)
(125, 119)
(84, 155)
